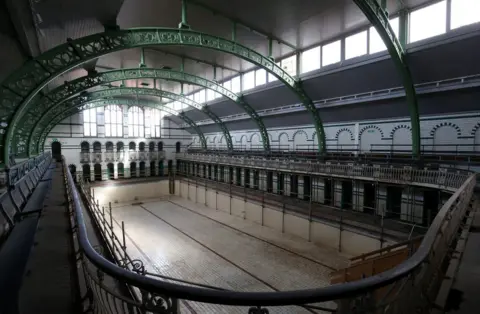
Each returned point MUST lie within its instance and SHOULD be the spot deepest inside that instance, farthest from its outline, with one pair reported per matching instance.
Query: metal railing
(450, 179)
(120, 156)
(407, 288)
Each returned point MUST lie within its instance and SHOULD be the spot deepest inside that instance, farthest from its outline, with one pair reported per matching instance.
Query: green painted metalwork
(19, 91)
(379, 19)
(58, 95)
(44, 129)
(121, 91)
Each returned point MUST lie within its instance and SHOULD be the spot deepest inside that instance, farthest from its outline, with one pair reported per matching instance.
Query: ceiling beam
(244, 24)
(21, 16)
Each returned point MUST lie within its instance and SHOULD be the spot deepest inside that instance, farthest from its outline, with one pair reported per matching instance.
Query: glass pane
(107, 131)
(93, 115)
(86, 117)
(93, 129)
(86, 129)
(201, 98)
(217, 95)
(310, 60)
(356, 45)
(428, 22)
(227, 84)
(196, 97)
(119, 130)
(465, 12)
(272, 77)
(210, 95)
(260, 77)
(289, 65)
(107, 116)
(376, 42)
(331, 53)
(236, 84)
(249, 80)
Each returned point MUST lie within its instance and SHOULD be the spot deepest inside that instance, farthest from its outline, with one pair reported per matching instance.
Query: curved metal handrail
(298, 297)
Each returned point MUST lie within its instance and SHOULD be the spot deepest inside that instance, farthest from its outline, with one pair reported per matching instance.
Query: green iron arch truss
(377, 15)
(111, 93)
(60, 94)
(44, 129)
(20, 90)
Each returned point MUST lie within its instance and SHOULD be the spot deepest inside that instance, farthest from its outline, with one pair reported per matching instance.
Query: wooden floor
(178, 238)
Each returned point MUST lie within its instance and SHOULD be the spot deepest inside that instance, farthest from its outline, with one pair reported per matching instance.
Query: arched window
(136, 123)
(113, 121)
(90, 122)
(156, 123)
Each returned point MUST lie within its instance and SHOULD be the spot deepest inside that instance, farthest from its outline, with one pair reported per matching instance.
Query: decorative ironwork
(379, 19)
(42, 130)
(20, 90)
(63, 92)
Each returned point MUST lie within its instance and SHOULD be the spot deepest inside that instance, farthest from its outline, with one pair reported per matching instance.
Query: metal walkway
(49, 283)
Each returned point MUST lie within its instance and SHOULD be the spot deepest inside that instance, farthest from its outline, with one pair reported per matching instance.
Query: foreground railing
(407, 288)
(446, 178)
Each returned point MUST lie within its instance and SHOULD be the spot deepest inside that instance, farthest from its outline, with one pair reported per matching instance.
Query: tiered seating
(20, 209)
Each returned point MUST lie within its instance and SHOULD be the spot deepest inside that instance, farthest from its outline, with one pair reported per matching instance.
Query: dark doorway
(269, 182)
(347, 194)
(209, 172)
(170, 167)
(120, 147)
(280, 183)
(328, 195)
(222, 173)
(142, 169)
(86, 173)
(97, 147)
(97, 172)
(247, 178)
(307, 188)
(109, 147)
(151, 147)
(394, 202)
(177, 147)
(85, 147)
(256, 179)
(133, 170)
(152, 168)
(110, 171)
(293, 185)
(57, 151)
(160, 168)
(430, 206)
(141, 147)
(132, 146)
(369, 197)
(204, 171)
(215, 172)
(160, 146)
(121, 170)
(238, 176)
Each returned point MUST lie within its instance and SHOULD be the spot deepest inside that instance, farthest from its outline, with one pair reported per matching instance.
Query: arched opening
(97, 147)
(110, 171)
(142, 169)
(86, 172)
(85, 147)
(368, 138)
(152, 168)
(132, 146)
(151, 147)
(177, 147)
(141, 147)
(133, 170)
(57, 150)
(160, 168)
(97, 172)
(109, 147)
(73, 171)
(120, 147)
(160, 146)
(121, 171)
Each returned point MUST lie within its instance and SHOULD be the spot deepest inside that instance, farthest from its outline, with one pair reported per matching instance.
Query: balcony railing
(407, 288)
(446, 178)
(120, 156)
